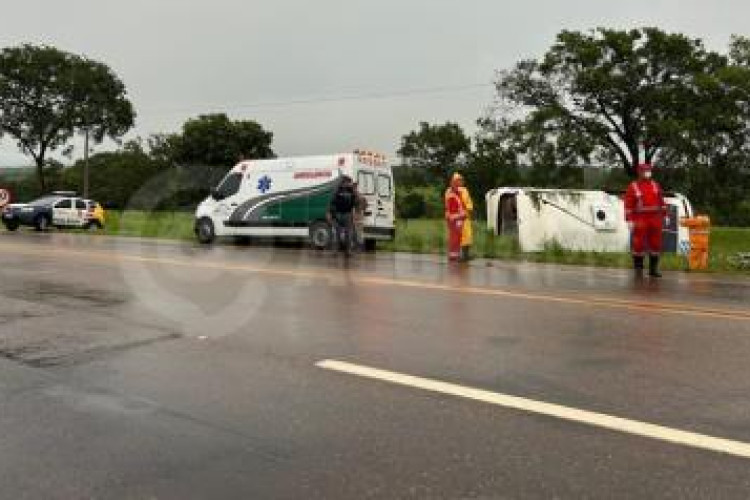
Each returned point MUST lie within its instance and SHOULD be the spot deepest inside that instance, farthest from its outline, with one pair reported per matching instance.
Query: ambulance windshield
(229, 186)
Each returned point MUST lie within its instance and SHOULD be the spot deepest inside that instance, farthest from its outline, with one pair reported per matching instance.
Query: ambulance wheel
(204, 231)
(41, 223)
(320, 235)
(370, 245)
(11, 226)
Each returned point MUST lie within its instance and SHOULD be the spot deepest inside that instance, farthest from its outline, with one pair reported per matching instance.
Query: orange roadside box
(700, 230)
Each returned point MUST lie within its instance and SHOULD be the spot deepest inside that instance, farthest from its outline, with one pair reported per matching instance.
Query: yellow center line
(358, 277)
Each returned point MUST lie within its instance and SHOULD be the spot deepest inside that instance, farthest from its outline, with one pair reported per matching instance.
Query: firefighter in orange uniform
(455, 217)
(467, 234)
(645, 211)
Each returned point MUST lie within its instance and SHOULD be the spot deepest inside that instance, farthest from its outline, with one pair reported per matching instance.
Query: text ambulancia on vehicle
(290, 197)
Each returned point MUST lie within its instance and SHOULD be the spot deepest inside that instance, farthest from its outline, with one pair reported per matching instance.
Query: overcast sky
(315, 72)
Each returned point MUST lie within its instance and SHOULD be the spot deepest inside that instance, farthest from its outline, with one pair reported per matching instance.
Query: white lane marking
(624, 425)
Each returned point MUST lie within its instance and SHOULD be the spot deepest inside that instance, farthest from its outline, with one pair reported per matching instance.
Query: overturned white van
(290, 198)
(576, 219)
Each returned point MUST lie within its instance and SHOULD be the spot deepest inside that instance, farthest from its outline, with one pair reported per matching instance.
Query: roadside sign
(4, 197)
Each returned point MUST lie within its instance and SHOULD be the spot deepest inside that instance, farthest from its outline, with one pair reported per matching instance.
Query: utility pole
(86, 163)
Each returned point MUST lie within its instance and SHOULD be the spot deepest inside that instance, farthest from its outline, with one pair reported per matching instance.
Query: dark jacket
(343, 201)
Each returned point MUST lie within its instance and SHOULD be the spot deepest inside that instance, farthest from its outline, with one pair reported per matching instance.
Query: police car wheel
(93, 226)
(41, 223)
(11, 226)
(204, 231)
(320, 235)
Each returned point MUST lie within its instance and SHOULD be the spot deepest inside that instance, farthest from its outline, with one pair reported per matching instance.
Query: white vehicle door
(366, 185)
(63, 213)
(79, 212)
(384, 206)
(227, 196)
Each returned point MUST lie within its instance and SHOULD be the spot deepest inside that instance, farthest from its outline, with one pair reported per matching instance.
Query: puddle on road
(44, 323)
(57, 294)
(99, 401)
(49, 355)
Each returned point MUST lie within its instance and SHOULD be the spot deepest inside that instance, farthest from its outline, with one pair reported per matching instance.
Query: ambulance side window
(384, 186)
(366, 181)
(230, 186)
(80, 205)
(64, 204)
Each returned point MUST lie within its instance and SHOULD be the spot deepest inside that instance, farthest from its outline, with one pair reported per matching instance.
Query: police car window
(366, 182)
(384, 186)
(64, 204)
(231, 185)
(80, 204)
(43, 202)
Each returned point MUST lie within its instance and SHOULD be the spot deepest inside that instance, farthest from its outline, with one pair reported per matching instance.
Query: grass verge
(428, 236)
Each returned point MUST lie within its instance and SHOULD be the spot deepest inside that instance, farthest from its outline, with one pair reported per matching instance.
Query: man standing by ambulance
(645, 211)
(341, 215)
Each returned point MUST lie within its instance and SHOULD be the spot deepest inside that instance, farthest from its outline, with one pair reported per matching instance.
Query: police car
(60, 209)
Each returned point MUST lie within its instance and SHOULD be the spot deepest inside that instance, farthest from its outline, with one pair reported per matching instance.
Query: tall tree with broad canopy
(47, 95)
(626, 96)
(215, 140)
(438, 149)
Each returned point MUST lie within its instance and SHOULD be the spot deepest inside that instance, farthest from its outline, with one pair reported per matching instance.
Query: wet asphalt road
(148, 369)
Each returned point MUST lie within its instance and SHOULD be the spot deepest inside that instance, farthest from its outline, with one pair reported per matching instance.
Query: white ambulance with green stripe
(290, 198)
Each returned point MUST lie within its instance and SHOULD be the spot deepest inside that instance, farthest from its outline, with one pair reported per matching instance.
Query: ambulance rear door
(384, 206)
(367, 186)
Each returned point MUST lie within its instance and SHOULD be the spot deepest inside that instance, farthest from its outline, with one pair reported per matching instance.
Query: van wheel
(320, 235)
(41, 223)
(204, 230)
(370, 245)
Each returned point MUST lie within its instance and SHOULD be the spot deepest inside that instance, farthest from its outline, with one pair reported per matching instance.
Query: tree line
(582, 115)
(597, 103)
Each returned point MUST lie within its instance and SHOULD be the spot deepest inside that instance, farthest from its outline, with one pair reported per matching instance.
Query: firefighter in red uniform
(645, 211)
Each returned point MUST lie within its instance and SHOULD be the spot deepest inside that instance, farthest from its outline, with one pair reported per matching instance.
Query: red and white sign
(4, 197)
(313, 174)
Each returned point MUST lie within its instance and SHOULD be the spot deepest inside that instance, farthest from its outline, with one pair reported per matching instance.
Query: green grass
(428, 236)
(168, 225)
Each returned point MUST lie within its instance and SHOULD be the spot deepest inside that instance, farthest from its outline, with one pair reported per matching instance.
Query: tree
(47, 95)
(215, 140)
(739, 50)
(115, 175)
(715, 171)
(631, 95)
(522, 151)
(438, 149)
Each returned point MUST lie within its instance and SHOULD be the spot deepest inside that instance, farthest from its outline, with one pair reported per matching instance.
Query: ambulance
(290, 198)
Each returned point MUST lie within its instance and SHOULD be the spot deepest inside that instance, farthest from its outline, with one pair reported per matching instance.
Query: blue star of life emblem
(264, 184)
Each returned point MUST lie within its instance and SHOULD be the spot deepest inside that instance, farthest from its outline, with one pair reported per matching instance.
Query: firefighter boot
(653, 266)
(638, 265)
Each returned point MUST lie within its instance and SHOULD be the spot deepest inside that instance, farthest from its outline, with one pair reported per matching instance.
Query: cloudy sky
(329, 75)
